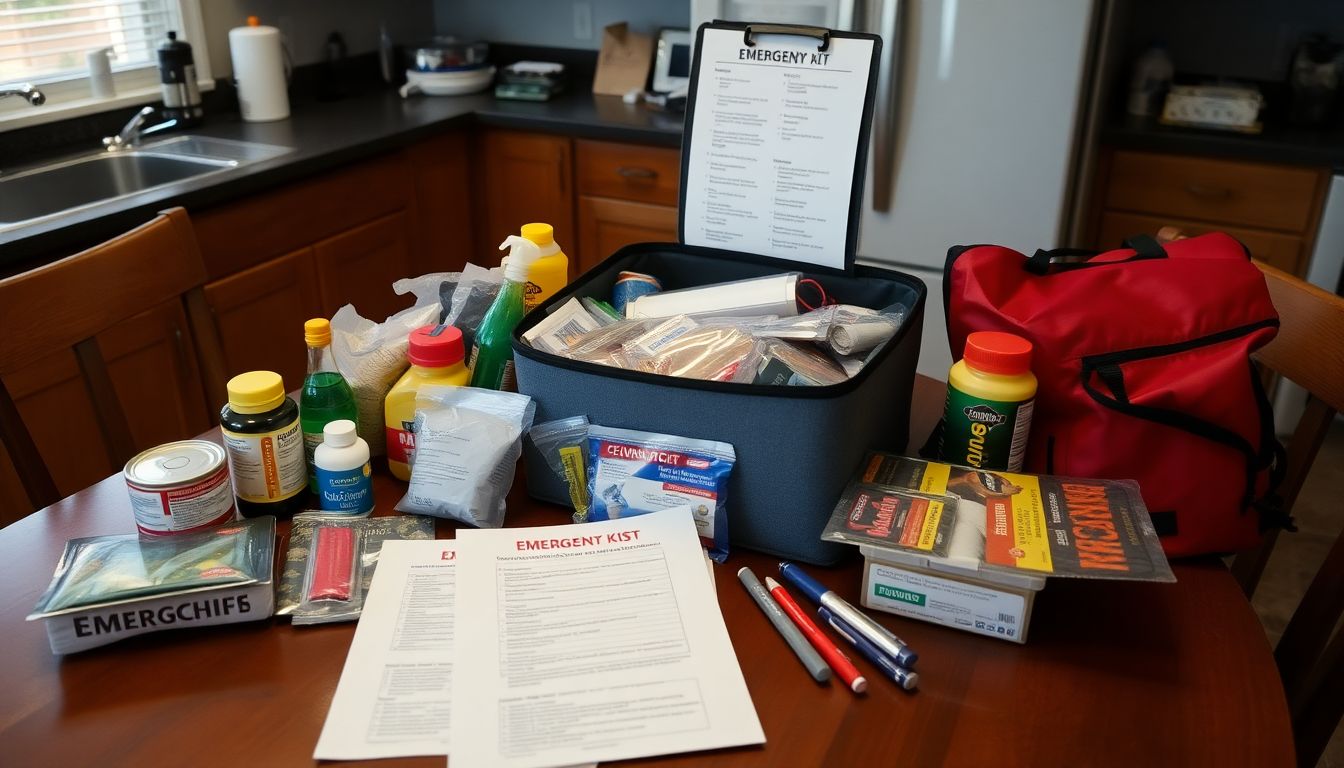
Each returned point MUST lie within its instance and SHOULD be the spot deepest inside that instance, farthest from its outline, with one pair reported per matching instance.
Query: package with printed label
(633, 473)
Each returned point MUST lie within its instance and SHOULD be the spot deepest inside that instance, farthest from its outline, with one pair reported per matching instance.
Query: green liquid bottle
(492, 355)
(326, 396)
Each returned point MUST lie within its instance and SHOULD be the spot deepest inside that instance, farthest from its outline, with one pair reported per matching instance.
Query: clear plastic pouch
(333, 582)
(373, 531)
(563, 443)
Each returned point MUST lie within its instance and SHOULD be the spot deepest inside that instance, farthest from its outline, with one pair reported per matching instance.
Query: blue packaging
(631, 473)
(348, 491)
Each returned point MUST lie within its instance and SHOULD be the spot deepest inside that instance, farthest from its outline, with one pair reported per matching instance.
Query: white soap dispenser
(100, 72)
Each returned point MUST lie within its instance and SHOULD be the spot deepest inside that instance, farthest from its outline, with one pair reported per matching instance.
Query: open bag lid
(775, 145)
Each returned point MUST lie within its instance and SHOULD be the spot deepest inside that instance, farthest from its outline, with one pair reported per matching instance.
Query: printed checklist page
(774, 134)
(393, 699)
(590, 643)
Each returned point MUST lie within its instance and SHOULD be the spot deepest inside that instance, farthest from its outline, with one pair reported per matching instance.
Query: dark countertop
(325, 135)
(1321, 148)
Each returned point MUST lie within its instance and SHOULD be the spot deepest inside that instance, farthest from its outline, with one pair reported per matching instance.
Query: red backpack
(1142, 355)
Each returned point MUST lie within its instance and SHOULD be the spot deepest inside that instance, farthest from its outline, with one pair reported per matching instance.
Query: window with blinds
(46, 40)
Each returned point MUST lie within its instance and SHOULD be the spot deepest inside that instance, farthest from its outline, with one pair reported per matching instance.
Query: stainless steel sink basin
(60, 188)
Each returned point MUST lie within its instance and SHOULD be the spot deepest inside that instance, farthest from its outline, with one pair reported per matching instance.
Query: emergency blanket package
(633, 473)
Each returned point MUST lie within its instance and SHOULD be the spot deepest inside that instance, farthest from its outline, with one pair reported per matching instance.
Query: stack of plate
(454, 83)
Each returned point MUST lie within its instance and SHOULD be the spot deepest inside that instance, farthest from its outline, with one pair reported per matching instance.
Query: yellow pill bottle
(991, 393)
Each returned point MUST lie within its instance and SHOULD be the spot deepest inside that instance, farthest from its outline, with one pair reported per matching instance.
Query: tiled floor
(1296, 556)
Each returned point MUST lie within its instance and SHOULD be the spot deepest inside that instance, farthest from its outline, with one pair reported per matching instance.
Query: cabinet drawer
(1217, 191)
(1280, 250)
(628, 172)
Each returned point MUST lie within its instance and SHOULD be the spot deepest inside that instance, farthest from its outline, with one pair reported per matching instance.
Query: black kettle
(177, 82)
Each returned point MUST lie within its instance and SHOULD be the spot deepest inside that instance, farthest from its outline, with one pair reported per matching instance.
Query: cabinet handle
(636, 172)
(1207, 192)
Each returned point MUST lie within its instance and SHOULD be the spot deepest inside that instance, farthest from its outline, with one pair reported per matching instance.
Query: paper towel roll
(259, 71)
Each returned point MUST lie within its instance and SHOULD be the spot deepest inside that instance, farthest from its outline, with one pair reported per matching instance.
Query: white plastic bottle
(1152, 78)
(344, 476)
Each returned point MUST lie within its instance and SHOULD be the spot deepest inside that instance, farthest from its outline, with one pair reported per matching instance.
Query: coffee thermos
(177, 82)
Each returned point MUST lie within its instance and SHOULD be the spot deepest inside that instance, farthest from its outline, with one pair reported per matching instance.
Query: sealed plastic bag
(467, 443)
(373, 531)
(563, 443)
(631, 472)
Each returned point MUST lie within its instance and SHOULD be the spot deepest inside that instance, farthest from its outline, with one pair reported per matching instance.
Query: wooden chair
(66, 304)
(1308, 350)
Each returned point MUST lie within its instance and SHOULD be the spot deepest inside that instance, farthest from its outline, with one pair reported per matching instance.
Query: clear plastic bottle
(326, 395)
(492, 356)
(436, 355)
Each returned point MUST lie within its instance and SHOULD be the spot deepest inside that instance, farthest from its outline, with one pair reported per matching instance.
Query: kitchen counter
(324, 135)
(1321, 148)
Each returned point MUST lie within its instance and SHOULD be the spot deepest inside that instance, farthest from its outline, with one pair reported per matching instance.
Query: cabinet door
(260, 314)
(1274, 248)
(527, 177)
(359, 266)
(605, 225)
(445, 203)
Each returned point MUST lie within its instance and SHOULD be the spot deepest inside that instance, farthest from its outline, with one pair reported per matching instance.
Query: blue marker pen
(902, 676)
(875, 633)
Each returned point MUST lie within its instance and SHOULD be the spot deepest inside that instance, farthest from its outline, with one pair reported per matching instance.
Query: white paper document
(393, 699)
(593, 642)
(773, 142)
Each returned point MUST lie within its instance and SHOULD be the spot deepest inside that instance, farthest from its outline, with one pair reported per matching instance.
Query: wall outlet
(583, 20)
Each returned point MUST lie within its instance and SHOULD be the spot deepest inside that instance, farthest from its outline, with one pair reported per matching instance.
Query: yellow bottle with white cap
(550, 272)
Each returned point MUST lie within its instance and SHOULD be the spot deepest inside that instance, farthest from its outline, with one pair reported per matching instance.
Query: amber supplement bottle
(264, 443)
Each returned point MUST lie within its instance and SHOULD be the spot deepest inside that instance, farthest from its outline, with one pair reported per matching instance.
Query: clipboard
(775, 145)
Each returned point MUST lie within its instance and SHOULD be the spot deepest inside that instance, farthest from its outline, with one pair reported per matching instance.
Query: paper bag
(623, 64)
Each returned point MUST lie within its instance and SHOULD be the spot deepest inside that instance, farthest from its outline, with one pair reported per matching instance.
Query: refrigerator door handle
(887, 17)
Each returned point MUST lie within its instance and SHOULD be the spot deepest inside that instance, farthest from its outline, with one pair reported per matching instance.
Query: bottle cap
(339, 433)
(255, 391)
(436, 346)
(541, 234)
(522, 252)
(317, 332)
(253, 21)
(996, 352)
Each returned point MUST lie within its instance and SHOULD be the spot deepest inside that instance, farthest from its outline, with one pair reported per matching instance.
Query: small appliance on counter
(1317, 68)
(531, 81)
(177, 82)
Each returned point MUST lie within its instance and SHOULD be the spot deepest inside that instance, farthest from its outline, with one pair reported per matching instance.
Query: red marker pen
(844, 668)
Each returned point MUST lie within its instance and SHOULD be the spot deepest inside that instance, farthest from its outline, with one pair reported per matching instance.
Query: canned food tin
(179, 487)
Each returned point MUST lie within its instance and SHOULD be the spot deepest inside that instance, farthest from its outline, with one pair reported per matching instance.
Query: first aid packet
(631, 472)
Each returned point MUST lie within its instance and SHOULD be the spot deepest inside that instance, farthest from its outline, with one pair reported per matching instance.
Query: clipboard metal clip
(820, 33)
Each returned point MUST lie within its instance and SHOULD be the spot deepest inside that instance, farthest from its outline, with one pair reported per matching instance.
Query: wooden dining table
(1113, 673)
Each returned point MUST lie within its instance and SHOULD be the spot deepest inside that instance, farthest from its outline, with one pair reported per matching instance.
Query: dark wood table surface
(1113, 673)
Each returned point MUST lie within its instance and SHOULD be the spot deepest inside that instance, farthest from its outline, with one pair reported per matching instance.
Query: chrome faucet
(130, 134)
(27, 91)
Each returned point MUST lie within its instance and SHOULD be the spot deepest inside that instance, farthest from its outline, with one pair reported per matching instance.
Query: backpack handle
(1041, 262)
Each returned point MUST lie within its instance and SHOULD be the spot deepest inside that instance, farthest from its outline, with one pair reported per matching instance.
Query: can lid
(255, 391)
(175, 463)
(317, 332)
(436, 346)
(339, 433)
(541, 234)
(1006, 354)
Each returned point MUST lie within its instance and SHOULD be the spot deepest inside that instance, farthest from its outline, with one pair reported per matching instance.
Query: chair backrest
(64, 305)
(1309, 351)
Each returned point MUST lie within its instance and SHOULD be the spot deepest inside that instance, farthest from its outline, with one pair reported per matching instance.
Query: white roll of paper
(259, 71)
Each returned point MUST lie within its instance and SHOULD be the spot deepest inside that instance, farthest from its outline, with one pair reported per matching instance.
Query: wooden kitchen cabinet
(1272, 209)
(627, 194)
(523, 177)
(446, 203)
(359, 266)
(606, 225)
(260, 314)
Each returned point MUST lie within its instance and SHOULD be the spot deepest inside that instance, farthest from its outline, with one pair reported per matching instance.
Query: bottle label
(401, 442)
(346, 490)
(983, 433)
(532, 295)
(310, 442)
(267, 466)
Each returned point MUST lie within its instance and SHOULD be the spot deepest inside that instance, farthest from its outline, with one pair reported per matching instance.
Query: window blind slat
(110, 20)
(45, 10)
(43, 43)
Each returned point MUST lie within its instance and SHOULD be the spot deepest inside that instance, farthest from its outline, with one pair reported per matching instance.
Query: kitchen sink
(65, 186)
